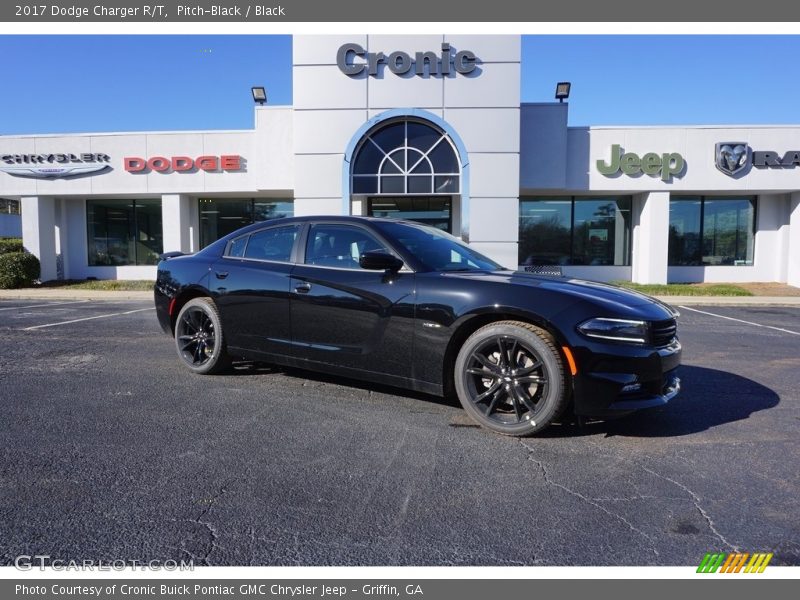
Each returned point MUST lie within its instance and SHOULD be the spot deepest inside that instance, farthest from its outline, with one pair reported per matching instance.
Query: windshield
(437, 250)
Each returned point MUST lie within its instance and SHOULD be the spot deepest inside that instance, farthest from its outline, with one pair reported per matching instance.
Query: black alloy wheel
(509, 377)
(199, 337)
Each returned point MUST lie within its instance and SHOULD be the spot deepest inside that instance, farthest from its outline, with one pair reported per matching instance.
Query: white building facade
(431, 128)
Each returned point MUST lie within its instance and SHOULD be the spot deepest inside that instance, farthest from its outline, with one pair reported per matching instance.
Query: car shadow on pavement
(708, 398)
(251, 368)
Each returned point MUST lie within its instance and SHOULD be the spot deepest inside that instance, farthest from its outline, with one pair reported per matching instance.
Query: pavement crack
(696, 501)
(586, 499)
(634, 498)
(208, 526)
(251, 534)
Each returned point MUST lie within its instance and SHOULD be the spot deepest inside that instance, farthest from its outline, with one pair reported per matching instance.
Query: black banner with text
(514, 11)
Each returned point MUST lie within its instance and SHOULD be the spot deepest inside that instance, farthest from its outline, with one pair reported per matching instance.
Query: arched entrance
(408, 166)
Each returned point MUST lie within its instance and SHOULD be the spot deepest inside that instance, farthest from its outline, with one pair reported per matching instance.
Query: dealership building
(430, 128)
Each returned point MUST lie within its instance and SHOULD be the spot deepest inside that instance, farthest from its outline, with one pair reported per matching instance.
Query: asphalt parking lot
(110, 449)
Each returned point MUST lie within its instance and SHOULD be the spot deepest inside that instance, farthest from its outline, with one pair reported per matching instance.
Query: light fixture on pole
(259, 95)
(562, 90)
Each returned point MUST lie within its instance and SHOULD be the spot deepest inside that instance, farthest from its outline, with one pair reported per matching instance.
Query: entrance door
(428, 210)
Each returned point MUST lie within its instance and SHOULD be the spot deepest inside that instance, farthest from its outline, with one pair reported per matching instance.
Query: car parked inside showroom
(400, 303)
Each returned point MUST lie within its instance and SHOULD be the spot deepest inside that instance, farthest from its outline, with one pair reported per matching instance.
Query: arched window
(406, 157)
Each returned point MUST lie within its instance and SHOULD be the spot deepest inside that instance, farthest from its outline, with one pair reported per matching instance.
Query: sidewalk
(100, 295)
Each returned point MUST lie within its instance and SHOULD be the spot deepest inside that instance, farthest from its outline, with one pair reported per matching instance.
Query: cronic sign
(353, 60)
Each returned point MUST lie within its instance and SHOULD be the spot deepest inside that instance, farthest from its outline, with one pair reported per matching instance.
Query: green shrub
(18, 269)
(10, 245)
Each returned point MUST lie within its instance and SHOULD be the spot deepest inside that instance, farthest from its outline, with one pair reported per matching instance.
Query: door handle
(221, 274)
(302, 288)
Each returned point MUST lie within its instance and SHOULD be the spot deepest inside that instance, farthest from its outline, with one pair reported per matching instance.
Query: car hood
(599, 293)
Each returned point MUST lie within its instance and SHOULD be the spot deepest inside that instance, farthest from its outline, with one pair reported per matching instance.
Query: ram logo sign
(732, 157)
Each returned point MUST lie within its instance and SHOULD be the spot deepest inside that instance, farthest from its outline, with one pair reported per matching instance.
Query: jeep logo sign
(666, 166)
(353, 60)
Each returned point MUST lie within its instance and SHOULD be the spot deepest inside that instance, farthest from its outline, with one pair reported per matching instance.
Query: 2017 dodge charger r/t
(404, 304)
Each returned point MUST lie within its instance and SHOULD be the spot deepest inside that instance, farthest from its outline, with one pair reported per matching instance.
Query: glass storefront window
(124, 232)
(435, 211)
(545, 227)
(684, 231)
(601, 231)
(264, 210)
(575, 231)
(9, 207)
(711, 231)
(728, 231)
(221, 216)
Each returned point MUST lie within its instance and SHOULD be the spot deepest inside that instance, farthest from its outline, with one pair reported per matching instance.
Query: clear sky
(53, 84)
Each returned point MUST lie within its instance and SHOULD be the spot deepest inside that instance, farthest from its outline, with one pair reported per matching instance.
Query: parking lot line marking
(127, 312)
(740, 320)
(43, 305)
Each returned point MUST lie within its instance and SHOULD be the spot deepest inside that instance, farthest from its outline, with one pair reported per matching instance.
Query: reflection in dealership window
(575, 231)
(124, 232)
(221, 216)
(711, 231)
(430, 210)
(9, 207)
(685, 231)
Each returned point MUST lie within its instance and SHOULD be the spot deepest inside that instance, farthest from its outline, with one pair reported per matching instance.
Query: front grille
(663, 332)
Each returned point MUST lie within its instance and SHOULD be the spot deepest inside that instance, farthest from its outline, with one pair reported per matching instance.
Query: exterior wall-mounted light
(259, 95)
(562, 90)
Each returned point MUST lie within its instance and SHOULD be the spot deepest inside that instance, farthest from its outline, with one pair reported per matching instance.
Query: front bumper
(618, 379)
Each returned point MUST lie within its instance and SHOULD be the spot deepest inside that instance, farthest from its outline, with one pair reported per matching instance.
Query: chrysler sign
(54, 166)
(353, 60)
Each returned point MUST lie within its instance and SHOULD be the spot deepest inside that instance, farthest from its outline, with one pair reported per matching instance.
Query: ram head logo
(732, 157)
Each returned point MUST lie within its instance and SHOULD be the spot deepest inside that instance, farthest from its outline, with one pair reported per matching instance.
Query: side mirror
(378, 260)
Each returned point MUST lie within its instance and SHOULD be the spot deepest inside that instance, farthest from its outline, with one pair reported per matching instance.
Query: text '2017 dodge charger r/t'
(401, 303)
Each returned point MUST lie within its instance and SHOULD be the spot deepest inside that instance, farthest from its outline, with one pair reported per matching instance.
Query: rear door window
(274, 244)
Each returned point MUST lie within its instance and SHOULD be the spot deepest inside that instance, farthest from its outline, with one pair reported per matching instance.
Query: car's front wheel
(199, 337)
(509, 377)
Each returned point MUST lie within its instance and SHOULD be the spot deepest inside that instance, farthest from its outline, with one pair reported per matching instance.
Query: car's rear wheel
(509, 377)
(199, 337)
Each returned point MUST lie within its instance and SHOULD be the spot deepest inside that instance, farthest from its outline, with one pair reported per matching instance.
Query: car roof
(217, 248)
(311, 218)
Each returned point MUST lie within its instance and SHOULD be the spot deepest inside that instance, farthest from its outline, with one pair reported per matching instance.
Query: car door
(251, 283)
(348, 316)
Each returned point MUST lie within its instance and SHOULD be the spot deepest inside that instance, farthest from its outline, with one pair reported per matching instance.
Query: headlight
(619, 330)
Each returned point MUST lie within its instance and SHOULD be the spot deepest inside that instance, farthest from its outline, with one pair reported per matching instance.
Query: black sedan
(403, 304)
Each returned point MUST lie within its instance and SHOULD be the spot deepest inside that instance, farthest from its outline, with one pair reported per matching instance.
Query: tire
(510, 378)
(199, 338)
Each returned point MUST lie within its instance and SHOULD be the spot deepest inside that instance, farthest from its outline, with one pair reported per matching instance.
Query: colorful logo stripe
(734, 562)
